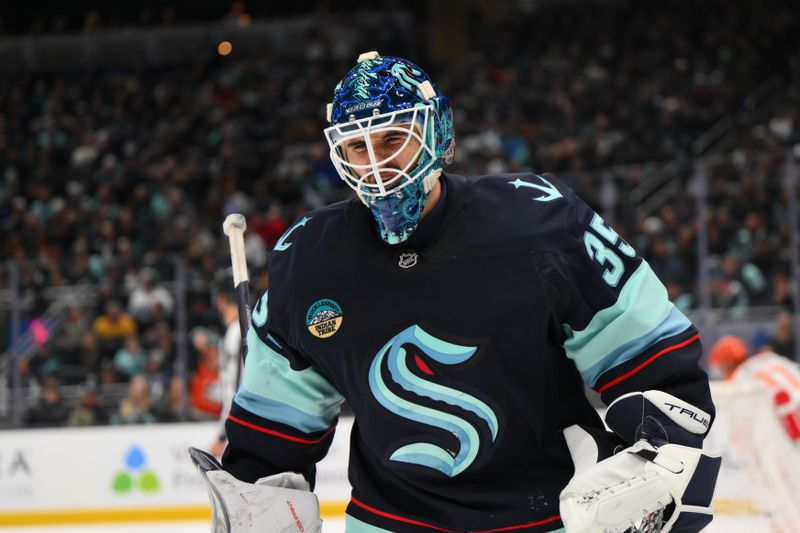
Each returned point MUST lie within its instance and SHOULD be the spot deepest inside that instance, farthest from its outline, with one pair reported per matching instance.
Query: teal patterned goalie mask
(387, 110)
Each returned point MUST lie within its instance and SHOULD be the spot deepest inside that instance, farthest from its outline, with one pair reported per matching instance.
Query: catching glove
(653, 485)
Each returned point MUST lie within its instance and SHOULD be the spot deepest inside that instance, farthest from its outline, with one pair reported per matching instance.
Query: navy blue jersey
(462, 361)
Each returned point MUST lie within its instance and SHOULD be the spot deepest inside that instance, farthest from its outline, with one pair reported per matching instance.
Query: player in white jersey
(778, 374)
(230, 362)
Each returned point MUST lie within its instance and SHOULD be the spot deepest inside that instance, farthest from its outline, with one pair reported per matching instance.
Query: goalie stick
(204, 463)
(234, 227)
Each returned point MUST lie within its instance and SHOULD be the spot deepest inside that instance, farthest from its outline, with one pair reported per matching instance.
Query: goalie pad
(281, 503)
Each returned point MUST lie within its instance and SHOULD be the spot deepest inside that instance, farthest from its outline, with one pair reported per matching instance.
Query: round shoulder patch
(324, 318)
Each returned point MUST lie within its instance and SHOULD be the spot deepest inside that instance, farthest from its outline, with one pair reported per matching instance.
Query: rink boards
(125, 474)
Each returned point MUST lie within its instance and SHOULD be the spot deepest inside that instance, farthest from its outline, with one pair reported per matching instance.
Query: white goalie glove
(281, 503)
(653, 485)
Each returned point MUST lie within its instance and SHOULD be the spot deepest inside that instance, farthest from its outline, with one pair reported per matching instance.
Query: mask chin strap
(430, 180)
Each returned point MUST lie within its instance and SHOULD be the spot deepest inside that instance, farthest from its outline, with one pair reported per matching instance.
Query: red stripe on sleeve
(279, 434)
(666, 350)
(391, 516)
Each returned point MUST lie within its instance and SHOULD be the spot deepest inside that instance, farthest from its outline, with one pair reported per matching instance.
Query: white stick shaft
(234, 227)
(238, 261)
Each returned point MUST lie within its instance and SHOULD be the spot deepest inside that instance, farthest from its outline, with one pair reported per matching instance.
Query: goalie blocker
(662, 481)
(281, 503)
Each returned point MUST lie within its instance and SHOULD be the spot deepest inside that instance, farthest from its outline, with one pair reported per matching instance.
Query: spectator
(782, 290)
(90, 353)
(107, 376)
(45, 363)
(130, 360)
(27, 379)
(269, 225)
(155, 374)
(148, 301)
(782, 341)
(728, 289)
(50, 411)
(135, 408)
(172, 407)
(90, 410)
(69, 338)
(113, 327)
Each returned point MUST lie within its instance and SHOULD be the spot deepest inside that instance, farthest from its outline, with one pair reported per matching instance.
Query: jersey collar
(432, 237)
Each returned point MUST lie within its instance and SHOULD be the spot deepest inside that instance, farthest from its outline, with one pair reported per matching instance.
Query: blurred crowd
(122, 365)
(117, 181)
(588, 85)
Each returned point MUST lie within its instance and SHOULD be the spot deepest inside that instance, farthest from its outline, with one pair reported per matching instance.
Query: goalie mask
(390, 134)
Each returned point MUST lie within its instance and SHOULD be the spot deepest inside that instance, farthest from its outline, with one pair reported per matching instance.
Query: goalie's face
(378, 156)
(394, 152)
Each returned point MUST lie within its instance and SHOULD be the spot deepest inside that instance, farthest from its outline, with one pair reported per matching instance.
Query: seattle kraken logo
(550, 192)
(424, 453)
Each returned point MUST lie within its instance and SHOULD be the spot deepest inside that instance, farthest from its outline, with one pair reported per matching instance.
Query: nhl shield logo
(324, 318)
(407, 260)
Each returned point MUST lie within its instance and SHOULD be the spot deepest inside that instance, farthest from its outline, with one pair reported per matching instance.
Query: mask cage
(375, 179)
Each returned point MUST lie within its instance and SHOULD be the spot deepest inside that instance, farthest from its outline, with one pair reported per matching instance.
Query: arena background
(129, 131)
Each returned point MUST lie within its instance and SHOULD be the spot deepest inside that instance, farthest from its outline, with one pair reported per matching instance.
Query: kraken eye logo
(425, 453)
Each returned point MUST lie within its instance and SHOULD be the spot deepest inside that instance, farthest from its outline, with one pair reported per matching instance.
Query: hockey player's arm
(281, 423)
(284, 414)
(631, 344)
(619, 327)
